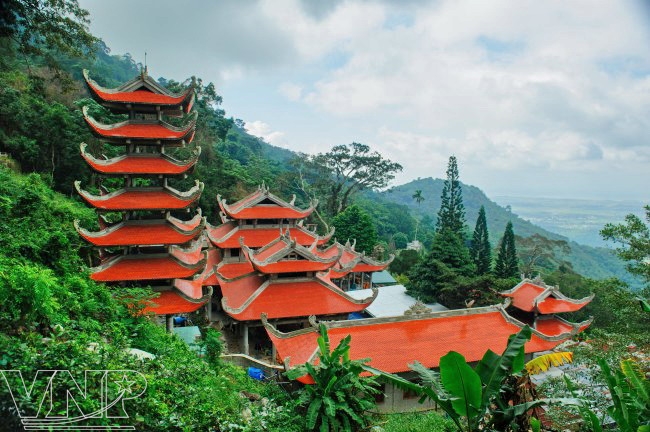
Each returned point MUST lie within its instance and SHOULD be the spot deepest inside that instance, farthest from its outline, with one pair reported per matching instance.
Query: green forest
(53, 316)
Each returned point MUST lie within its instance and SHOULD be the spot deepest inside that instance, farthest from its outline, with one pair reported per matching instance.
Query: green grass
(429, 421)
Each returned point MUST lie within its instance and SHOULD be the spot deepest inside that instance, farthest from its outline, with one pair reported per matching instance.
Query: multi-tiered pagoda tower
(148, 236)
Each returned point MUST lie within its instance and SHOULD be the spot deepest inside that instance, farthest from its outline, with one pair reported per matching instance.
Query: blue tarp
(256, 373)
(355, 315)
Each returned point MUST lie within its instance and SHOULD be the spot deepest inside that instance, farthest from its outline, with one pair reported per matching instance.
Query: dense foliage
(340, 396)
(634, 239)
(51, 313)
(353, 224)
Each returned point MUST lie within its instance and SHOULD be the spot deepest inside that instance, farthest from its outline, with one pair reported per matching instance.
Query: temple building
(271, 263)
(264, 274)
(150, 233)
(392, 343)
(536, 304)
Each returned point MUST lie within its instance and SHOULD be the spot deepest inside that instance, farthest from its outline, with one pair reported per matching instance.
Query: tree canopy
(336, 176)
(451, 215)
(507, 265)
(45, 29)
(355, 224)
(633, 236)
(481, 250)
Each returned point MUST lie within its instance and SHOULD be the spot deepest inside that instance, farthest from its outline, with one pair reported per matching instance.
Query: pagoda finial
(145, 71)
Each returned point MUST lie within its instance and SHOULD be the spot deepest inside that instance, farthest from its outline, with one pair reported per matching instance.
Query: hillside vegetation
(598, 263)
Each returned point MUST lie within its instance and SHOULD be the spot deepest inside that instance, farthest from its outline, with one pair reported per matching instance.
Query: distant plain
(578, 219)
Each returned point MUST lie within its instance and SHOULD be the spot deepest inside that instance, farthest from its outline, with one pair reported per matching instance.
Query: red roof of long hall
(140, 130)
(144, 267)
(141, 90)
(226, 236)
(262, 204)
(280, 298)
(394, 344)
(142, 198)
(530, 296)
(145, 233)
(140, 163)
(173, 302)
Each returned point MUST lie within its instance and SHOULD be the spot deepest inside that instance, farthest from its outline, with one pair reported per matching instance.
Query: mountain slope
(589, 261)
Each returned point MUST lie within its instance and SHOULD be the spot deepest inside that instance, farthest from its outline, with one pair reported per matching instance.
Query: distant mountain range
(594, 262)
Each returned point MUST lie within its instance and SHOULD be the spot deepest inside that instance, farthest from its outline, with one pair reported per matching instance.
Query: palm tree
(417, 196)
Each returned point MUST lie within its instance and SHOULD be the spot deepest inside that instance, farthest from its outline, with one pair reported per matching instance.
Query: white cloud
(263, 130)
(291, 91)
(548, 87)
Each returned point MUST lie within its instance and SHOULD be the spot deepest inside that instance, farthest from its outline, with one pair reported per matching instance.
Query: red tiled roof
(227, 236)
(553, 326)
(392, 346)
(143, 267)
(262, 204)
(191, 288)
(270, 249)
(232, 270)
(191, 255)
(171, 302)
(142, 199)
(528, 297)
(240, 290)
(365, 267)
(209, 274)
(139, 163)
(140, 130)
(525, 295)
(295, 266)
(284, 299)
(144, 131)
(139, 96)
(142, 233)
(269, 212)
(552, 305)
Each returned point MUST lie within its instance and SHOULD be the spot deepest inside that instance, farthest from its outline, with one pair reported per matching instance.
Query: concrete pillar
(274, 354)
(245, 338)
(170, 323)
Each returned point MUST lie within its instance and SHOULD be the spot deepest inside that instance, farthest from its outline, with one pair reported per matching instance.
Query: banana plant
(544, 362)
(340, 397)
(474, 398)
(630, 393)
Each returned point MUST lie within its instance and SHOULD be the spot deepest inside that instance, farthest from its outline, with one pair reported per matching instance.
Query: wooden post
(274, 354)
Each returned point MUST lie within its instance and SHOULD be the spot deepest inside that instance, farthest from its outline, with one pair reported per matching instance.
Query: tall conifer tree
(481, 250)
(506, 265)
(451, 215)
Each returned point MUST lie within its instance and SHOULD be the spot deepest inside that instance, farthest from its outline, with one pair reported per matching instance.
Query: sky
(534, 98)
